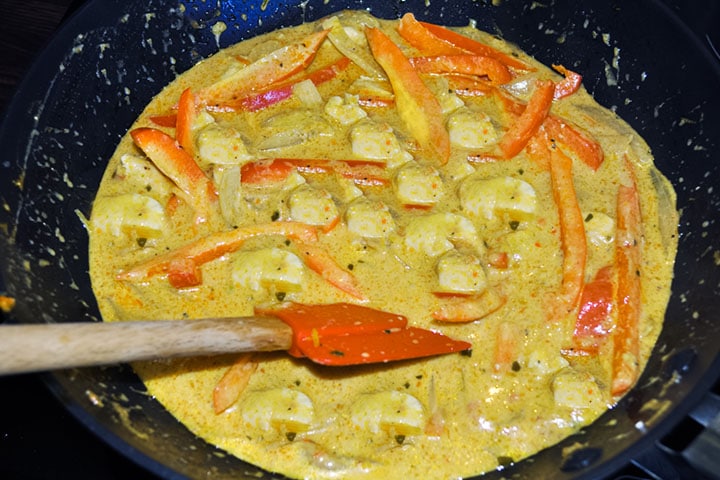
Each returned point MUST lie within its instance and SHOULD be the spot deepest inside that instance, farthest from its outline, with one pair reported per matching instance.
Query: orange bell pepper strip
(588, 150)
(569, 85)
(628, 261)
(499, 260)
(183, 273)
(538, 149)
(233, 382)
(463, 309)
(473, 46)
(420, 37)
(173, 161)
(186, 115)
(266, 172)
(594, 322)
(507, 338)
(419, 110)
(464, 64)
(272, 68)
(319, 261)
(169, 120)
(529, 121)
(278, 93)
(212, 247)
(572, 231)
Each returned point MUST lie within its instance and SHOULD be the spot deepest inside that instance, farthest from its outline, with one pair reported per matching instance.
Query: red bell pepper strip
(274, 170)
(172, 160)
(186, 115)
(594, 322)
(587, 149)
(463, 64)
(319, 261)
(569, 85)
(272, 68)
(214, 246)
(466, 86)
(278, 93)
(528, 123)
(419, 110)
(628, 260)
(420, 37)
(472, 46)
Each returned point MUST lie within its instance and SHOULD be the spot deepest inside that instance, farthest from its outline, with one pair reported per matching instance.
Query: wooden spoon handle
(27, 348)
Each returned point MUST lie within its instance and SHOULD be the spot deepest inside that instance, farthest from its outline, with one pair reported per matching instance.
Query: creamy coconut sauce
(480, 233)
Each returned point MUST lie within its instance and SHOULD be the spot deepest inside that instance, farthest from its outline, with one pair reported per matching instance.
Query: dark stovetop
(39, 439)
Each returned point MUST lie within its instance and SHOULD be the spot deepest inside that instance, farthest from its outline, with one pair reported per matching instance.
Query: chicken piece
(577, 390)
(436, 234)
(470, 129)
(345, 110)
(418, 185)
(130, 214)
(312, 206)
(376, 141)
(545, 362)
(268, 269)
(492, 198)
(599, 229)
(221, 146)
(369, 219)
(281, 409)
(461, 273)
(392, 412)
(141, 172)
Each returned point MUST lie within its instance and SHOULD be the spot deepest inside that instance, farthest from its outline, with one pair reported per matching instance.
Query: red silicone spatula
(336, 334)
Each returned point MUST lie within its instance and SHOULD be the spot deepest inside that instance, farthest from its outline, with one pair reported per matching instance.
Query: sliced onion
(351, 49)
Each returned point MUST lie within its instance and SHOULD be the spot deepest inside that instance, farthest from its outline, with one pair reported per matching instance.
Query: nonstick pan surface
(112, 56)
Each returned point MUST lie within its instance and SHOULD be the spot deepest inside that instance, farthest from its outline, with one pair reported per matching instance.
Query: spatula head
(347, 334)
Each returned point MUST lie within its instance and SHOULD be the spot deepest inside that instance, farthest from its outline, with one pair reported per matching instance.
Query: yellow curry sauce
(555, 268)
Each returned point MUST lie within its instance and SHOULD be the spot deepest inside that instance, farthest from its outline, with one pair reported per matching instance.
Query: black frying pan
(112, 56)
